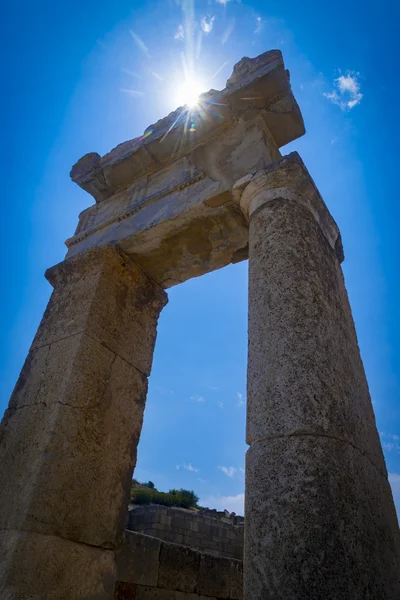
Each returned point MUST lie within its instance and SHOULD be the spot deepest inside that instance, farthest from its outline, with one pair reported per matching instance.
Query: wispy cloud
(129, 72)
(220, 403)
(232, 503)
(228, 471)
(215, 74)
(228, 31)
(390, 446)
(180, 33)
(198, 398)
(157, 76)
(207, 23)
(239, 399)
(392, 441)
(259, 25)
(187, 467)
(139, 42)
(222, 1)
(392, 436)
(346, 93)
(131, 92)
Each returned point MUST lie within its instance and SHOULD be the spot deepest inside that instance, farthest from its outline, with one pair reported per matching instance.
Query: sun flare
(188, 94)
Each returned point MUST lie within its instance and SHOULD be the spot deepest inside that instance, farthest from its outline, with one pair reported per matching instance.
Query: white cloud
(198, 398)
(207, 23)
(129, 72)
(388, 446)
(215, 74)
(232, 503)
(220, 403)
(347, 92)
(139, 42)
(228, 471)
(241, 469)
(260, 25)
(393, 442)
(392, 436)
(228, 32)
(131, 92)
(222, 1)
(240, 399)
(394, 479)
(187, 467)
(180, 33)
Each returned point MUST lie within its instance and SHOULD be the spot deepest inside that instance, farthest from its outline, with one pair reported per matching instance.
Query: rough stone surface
(320, 519)
(321, 523)
(138, 559)
(176, 573)
(76, 411)
(45, 446)
(41, 567)
(179, 567)
(189, 528)
(118, 305)
(214, 577)
(305, 372)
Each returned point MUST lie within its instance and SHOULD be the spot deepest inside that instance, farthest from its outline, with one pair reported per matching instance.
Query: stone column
(320, 519)
(68, 439)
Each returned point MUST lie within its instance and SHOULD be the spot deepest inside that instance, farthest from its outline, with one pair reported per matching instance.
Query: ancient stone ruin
(202, 530)
(196, 192)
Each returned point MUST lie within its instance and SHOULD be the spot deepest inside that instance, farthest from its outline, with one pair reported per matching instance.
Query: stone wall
(196, 530)
(151, 569)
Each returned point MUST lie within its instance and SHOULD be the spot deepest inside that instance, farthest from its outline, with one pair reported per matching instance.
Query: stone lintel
(174, 222)
(261, 83)
(289, 179)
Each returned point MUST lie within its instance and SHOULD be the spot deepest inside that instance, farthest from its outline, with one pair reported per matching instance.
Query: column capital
(287, 179)
(107, 259)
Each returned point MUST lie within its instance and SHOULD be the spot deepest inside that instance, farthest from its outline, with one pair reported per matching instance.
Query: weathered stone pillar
(68, 439)
(320, 519)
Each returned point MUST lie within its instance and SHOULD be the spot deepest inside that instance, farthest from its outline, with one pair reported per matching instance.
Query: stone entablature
(166, 197)
(217, 536)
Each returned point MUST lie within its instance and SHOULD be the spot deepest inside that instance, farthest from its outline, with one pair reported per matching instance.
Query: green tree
(189, 496)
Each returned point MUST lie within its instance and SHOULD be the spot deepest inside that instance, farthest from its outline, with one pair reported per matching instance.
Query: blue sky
(85, 76)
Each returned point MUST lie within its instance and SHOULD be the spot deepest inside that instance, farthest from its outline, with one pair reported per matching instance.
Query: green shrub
(141, 496)
(148, 494)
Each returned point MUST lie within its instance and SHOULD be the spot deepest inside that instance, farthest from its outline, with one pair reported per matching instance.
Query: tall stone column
(68, 439)
(320, 519)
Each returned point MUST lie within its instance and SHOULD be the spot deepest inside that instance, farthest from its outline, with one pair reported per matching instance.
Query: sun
(188, 93)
